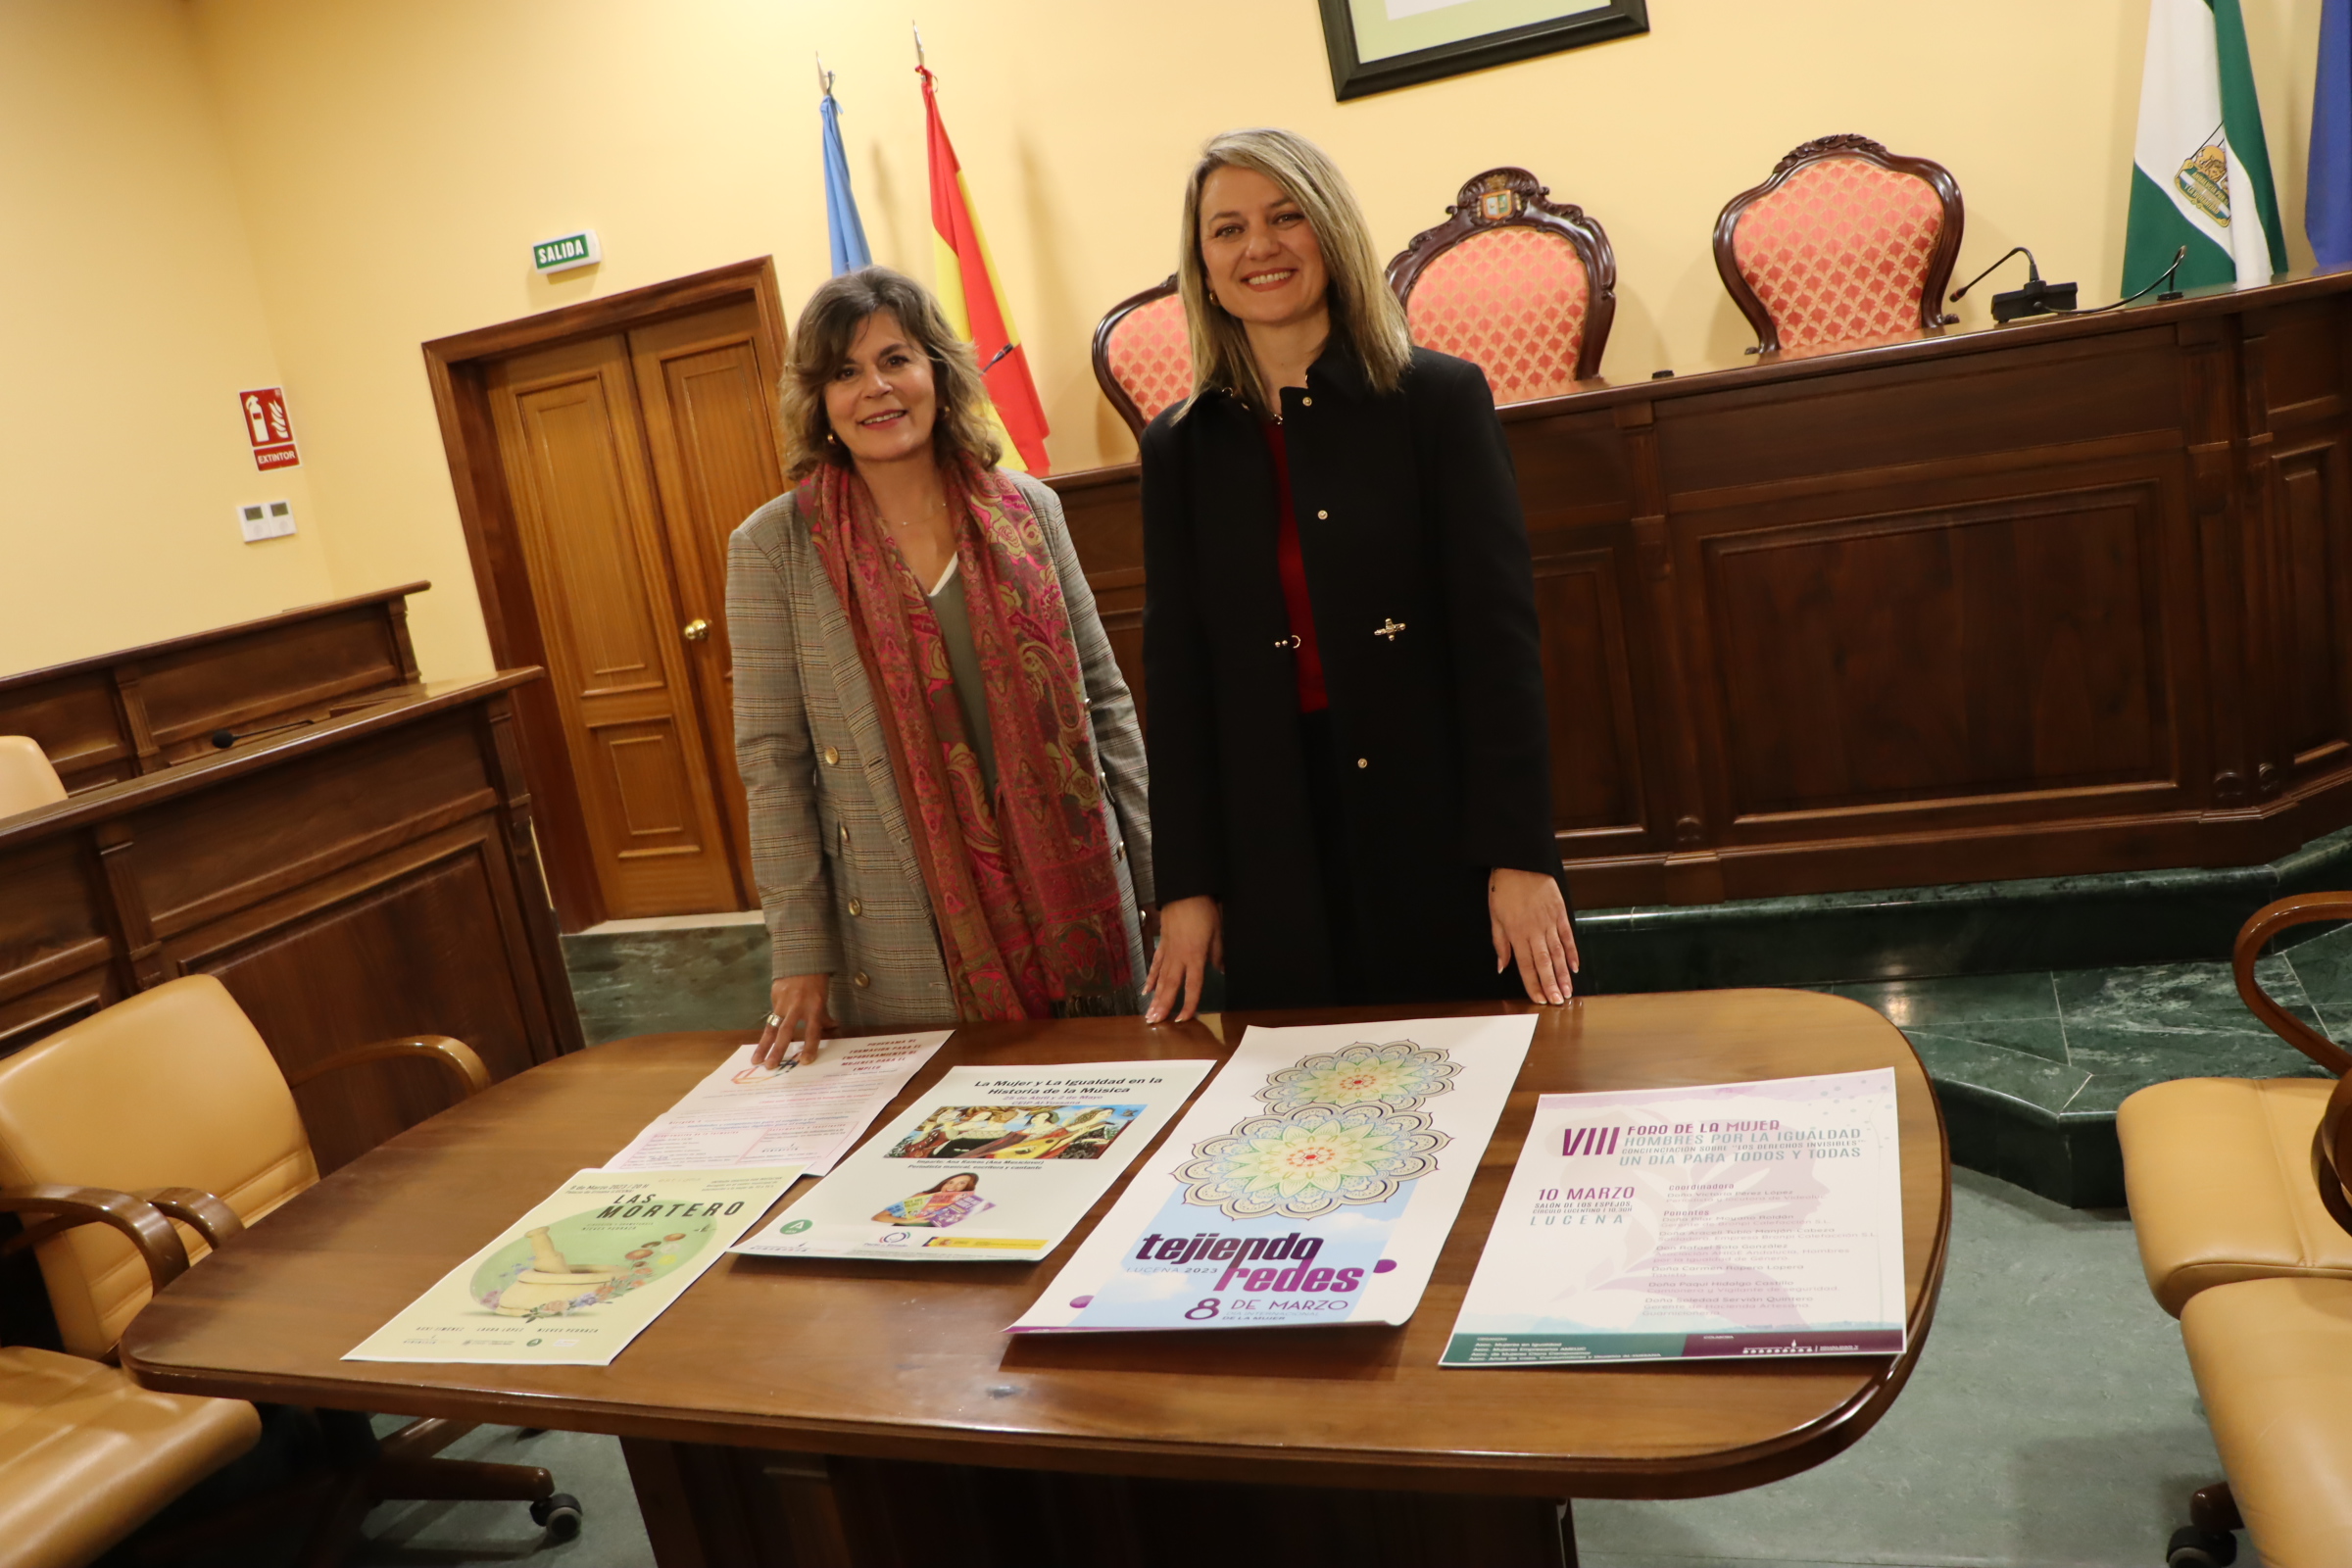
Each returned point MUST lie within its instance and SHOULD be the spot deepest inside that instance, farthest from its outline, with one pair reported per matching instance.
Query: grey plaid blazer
(838, 877)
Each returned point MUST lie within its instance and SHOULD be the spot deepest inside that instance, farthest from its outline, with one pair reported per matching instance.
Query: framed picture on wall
(1376, 45)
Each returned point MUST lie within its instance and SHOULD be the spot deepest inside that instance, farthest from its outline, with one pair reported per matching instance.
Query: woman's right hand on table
(1191, 937)
(795, 1010)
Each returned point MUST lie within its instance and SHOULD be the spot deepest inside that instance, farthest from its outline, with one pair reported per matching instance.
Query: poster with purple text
(1314, 1181)
(1724, 1221)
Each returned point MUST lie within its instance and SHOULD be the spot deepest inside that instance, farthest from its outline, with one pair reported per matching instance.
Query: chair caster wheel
(559, 1516)
(2191, 1548)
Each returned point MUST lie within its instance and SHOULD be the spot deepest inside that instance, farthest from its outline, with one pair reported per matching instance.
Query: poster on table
(1684, 1224)
(994, 1164)
(795, 1114)
(574, 1280)
(1314, 1182)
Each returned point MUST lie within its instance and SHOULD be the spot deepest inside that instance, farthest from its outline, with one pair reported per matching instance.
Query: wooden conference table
(801, 1412)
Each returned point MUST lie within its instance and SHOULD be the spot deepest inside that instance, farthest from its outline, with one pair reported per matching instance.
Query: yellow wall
(132, 319)
(393, 159)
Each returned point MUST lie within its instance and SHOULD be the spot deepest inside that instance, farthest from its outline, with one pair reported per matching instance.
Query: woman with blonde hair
(1351, 783)
(946, 780)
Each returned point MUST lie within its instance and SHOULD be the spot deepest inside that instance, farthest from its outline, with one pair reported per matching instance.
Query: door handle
(695, 630)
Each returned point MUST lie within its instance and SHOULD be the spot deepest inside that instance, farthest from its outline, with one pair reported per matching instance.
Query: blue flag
(850, 251)
(2327, 191)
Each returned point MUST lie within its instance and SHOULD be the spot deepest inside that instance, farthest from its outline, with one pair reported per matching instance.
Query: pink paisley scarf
(1023, 888)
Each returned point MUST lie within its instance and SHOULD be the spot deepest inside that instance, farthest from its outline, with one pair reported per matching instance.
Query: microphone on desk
(223, 739)
(2036, 298)
(2161, 278)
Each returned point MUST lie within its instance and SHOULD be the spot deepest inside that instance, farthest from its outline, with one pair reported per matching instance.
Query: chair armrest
(2266, 922)
(2331, 1155)
(137, 1219)
(452, 1057)
(200, 1212)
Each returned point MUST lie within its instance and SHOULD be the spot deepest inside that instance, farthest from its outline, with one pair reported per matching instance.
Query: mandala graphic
(1310, 1159)
(1399, 1075)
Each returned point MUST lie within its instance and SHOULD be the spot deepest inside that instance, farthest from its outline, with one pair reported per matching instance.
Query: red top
(1291, 562)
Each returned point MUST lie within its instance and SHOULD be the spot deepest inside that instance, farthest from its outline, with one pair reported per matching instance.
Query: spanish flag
(975, 305)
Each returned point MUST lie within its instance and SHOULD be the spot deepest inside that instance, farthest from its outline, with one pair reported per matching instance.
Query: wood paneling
(2072, 595)
(144, 709)
(366, 878)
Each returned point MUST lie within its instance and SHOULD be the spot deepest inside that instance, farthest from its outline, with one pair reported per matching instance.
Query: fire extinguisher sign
(268, 427)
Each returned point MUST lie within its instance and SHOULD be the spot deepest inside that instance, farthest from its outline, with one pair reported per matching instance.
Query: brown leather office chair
(1846, 242)
(2273, 1360)
(86, 1455)
(174, 1097)
(1521, 287)
(2215, 1169)
(1143, 354)
(26, 781)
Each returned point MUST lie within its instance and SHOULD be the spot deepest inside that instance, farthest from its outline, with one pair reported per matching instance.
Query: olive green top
(964, 664)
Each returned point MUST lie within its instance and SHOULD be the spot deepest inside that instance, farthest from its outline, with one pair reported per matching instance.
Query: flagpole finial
(918, 45)
(824, 78)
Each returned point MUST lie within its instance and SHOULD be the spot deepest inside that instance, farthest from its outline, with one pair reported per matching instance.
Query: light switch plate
(265, 519)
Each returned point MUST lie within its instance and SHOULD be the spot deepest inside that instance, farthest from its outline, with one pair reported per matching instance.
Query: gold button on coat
(845, 835)
(1363, 761)
(831, 756)
(1307, 403)
(856, 907)
(1323, 515)
(859, 979)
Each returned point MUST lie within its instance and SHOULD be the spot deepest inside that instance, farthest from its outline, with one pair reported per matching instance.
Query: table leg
(718, 1507)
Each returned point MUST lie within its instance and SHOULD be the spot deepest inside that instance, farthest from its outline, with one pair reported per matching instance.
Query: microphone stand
(2163, 277)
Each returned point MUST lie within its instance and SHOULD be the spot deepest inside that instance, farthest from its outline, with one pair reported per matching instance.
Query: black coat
(1408, 519)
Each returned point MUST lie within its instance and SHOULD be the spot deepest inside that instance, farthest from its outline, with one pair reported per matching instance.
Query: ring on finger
(774, 1022)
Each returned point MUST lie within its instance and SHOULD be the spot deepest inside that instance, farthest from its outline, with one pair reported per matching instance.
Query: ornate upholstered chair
(1143, 354)
(1846, 242)
(1522, 288)
(26, 781)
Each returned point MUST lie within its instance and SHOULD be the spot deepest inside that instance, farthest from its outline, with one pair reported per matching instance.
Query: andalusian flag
(2201, 170)
(975, 305)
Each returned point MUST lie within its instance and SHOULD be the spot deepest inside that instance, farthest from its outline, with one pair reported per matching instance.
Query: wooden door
(705, 384)
(572, 441)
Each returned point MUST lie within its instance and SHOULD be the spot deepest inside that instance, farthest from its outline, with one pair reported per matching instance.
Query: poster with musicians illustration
(991, 1165)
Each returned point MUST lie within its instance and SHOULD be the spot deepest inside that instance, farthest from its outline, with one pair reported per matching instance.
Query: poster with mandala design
(1314, 1181)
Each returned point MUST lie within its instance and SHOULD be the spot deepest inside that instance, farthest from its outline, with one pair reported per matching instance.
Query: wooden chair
(172, 1095)
(86, 1455)
(1522, 288)
(1143, 354)
(2273, 1360)
(26, 781)
(1846, 242)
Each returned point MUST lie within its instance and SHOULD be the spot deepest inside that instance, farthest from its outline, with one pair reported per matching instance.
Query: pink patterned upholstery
(1151, 357)
(1511, 301)
(1840, 250)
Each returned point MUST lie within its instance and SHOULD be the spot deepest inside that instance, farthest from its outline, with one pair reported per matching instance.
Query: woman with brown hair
(946, 780)
(1349, 745)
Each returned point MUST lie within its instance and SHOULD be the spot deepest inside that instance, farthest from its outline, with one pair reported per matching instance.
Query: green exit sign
(567, 251)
